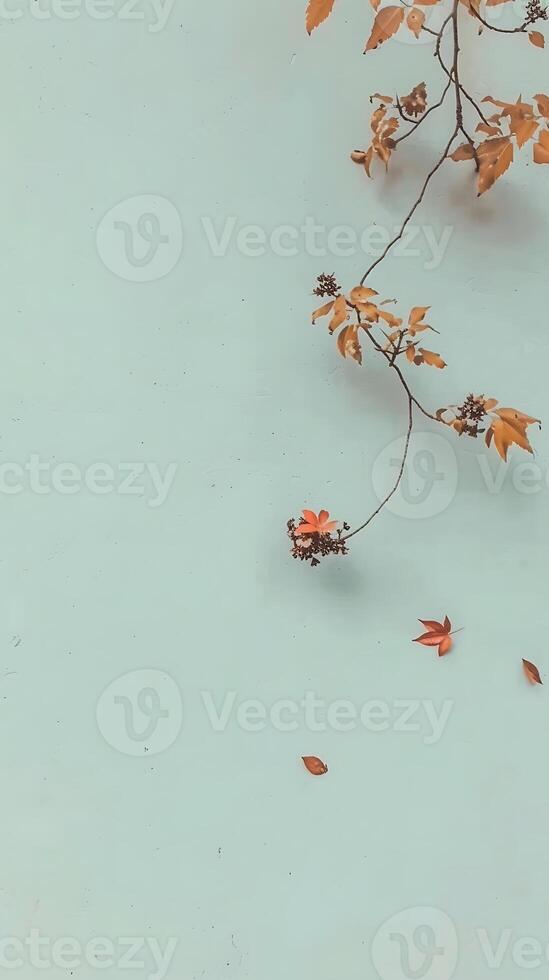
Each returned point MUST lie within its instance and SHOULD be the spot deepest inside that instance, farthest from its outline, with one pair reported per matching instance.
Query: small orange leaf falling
(387, 23)
(532, 672)
(317, 12)
(537, 39)
(315, 523)
(437, 635)
(314, 765)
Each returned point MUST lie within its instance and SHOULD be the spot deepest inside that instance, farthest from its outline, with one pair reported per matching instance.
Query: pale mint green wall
(220, 838)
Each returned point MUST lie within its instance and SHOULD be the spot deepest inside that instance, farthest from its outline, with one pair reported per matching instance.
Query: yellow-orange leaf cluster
(508, 427)
(495, 154)
(361, 304)
(383, 128)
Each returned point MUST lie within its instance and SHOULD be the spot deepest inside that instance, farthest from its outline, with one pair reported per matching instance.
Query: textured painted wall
(166, 406)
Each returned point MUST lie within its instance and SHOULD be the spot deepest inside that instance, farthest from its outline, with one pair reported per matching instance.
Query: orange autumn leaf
(437, 635)
(415, 103)
(463, 152)
(315, 523)
(431, 358)
(387, 23)
(416, 314)
(494, 156)
(340, 314)
(522, 121)
(537, 39)
(488, 130)
(532, 672)
(524, 130)
(361, 294)
(347, 342)
(543, 105)
(415, 21)
(314, 765)
(317, 12)
(323, 310)
(509, 428)
(541, 148)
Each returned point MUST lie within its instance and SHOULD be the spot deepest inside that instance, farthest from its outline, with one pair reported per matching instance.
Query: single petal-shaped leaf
(317, 12)
(532, 672)
(387, 23)
(314, 765)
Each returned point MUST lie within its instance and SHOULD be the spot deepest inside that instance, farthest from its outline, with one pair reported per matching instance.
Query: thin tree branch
(398, 479)
(413, 210)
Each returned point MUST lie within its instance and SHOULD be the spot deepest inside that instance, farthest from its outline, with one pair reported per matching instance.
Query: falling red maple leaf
(437, 635)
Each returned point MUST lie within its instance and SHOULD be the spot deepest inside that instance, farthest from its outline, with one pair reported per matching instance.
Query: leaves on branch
(415, 103)
(317, 12)
(532, 672)
(437, 635)
(386, 23)
(495, 154)
(383, 128)
(508, 428)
